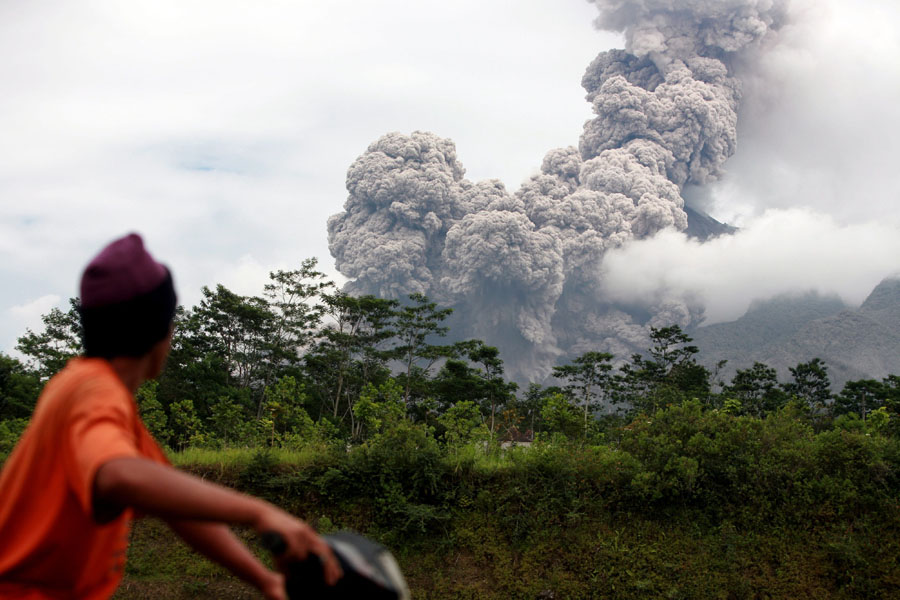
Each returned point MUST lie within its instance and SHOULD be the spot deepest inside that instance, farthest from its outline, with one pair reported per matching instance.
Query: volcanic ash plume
(412, 223)
(405, 192)
(525, 267)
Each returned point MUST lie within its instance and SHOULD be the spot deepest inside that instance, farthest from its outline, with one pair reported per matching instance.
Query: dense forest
(305, 361)
(641, 476)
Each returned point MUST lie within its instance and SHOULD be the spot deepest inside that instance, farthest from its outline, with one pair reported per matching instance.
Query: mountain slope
(854, 343)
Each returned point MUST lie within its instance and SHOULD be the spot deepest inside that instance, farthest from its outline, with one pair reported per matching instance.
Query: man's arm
(162, 491)
(217, 542)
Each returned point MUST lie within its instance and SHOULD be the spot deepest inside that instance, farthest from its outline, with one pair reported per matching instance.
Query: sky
(222, 132)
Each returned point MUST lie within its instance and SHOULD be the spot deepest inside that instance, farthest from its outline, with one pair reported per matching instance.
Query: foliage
(152, 413)
(588, 381)
(18, 389)
(667, 375)
(462, 425)
(756, 390)
(860, 397)
(811, 384)
(350, 352)
(10, 431)
(186, 425)
(283, 415)
(414, 325)
(379, 409)
(61, 339)
(559, 416)
(693, 502)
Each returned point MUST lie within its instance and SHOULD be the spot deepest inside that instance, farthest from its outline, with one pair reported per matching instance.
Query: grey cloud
(404, 194)
(524, 269)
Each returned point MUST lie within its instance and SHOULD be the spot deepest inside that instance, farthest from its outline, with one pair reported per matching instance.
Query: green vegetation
(644, 478)
(685, 503)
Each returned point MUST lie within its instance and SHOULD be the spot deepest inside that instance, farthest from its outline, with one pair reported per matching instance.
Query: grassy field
(624, 557)
(569, 523)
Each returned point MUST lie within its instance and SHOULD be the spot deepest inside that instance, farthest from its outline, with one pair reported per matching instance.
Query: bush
(10, 432)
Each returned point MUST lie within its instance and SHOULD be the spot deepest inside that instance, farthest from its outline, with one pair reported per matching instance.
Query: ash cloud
(524, 269)
(405, 193)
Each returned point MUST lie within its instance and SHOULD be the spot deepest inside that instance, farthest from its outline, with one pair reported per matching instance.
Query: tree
(238, 329)
(197, 367)
(714, 399)
(152, 413)
(456, 381)
(350, 351)
(414, 324)
(588, 380)
(891, 389)
(757, 390)
(671, 348)
(61, 339)
(293, 296)
(560, 416)
(378, 409)
(669, 375)
(493, 390)
(10, 432)
(476, 376)
(19, 389)
(860, 397)
(230, 421)
(531, 404)
(810, 384)
(462, 423)
(186, 427)
(283, 409)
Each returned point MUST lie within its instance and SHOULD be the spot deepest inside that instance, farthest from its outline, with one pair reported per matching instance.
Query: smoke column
(522, 270)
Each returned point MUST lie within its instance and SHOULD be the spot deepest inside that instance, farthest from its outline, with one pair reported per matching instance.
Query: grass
(527, 523)
(690, 505)
(240, 458)
(471, 456)
(607, 556)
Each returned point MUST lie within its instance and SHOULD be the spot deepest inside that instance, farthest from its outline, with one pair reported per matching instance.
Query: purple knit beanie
(127, 300)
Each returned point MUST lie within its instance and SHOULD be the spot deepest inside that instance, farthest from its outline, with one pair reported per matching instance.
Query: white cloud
(782, 251)
(16, 319)
(32, 311)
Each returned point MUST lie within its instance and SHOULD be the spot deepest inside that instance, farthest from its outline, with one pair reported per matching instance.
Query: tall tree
(667, 375)
(238, 329)
(588, 380)
(197, 368)
(414, 324)
(757, 390)
(670, 348)
(19, 389)
(860, 397)
(532, 402)
(493, 390)
(351, 350)
(295, 300)
(61, 339)
(811, 384)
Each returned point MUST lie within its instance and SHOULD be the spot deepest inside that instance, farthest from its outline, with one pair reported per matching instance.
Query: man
(86, 463)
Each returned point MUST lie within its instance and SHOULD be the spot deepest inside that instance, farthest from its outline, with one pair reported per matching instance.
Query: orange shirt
(50, 544)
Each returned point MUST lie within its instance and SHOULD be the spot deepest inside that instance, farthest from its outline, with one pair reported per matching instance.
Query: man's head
(127, 301)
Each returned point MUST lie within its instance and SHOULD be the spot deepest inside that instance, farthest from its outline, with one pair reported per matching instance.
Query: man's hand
(300, 540)
(217, 542)
(273, 587)
(174, 496)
